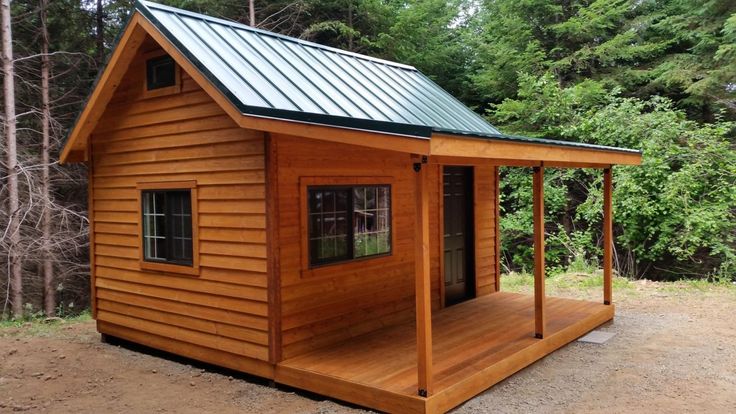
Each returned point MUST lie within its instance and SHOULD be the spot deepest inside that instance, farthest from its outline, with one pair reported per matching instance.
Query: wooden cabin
(313, 216)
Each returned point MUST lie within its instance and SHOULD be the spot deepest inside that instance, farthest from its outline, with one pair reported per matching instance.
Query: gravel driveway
(674, 351)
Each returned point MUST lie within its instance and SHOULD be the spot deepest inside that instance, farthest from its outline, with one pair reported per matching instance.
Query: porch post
(422, 280)
(607, 236)
(539, 298)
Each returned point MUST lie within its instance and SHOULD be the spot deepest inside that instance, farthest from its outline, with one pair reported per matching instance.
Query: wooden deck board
(475, 345)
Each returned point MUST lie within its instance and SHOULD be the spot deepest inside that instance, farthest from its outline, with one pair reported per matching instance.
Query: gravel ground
(674, 351)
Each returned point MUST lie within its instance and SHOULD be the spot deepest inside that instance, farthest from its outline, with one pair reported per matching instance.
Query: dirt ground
(674, 351)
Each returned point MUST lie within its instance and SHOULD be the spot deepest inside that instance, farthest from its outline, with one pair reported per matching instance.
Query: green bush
(675, 215)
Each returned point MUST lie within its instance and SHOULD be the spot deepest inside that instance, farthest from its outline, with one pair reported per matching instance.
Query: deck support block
(422, 282)
(539, 270)
(607, 236)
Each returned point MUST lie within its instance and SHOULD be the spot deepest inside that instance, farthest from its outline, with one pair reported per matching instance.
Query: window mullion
(169, 225)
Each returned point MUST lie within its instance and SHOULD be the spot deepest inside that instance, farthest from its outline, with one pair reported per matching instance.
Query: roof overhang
(522, 151)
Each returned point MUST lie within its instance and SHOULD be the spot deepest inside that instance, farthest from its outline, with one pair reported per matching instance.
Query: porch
(475, 345)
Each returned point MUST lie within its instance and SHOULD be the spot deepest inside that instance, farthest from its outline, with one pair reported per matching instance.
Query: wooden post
(607, 236)
(539, 299)
(497, 224)
(421, 273)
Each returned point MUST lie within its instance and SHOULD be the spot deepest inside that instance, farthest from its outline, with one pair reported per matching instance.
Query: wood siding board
(342, 300)
(188, 349)
(352, 298)
(186, 137)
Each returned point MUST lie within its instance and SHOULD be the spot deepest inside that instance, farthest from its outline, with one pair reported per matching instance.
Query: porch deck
(476, 344)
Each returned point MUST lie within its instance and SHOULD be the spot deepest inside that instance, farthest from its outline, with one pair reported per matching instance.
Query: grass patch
(522, 282)
(39, 325)
(585, 285)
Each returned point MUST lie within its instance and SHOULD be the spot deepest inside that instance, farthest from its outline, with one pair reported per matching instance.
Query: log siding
(220, 312)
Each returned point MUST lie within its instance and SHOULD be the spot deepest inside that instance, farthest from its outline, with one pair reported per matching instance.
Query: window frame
(169, 266)
(309, 269)
(162, 91)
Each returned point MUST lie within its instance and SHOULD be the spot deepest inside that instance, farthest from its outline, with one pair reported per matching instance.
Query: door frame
(441, 236)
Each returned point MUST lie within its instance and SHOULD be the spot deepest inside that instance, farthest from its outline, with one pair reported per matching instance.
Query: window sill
(353, 265)
(169, 268)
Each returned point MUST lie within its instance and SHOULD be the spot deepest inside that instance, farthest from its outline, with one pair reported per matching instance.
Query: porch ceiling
(475, 345)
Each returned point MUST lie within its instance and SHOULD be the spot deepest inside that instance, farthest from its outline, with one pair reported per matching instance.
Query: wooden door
(459, 260)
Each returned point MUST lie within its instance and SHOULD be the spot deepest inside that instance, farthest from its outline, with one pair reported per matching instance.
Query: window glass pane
(167, 226)
(341, 246)
(180, 214)
(349, 222)
(154, 222)
(159, 248)
(328, 224)
(383, 197)
(160, 72)
(341, 224)
(342, 199)
(371, 220)
(315, 201)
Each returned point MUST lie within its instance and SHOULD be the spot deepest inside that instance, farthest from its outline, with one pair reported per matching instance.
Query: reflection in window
(348, 222)
(167, 226)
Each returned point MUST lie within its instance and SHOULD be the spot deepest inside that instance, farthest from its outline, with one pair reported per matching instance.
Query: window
(160, 72)
(167, 226)
(348, 222)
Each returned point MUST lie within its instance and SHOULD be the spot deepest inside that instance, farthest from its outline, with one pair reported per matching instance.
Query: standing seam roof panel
(274, 77)
(237, 65)
(266, 74)
(399, 105)
(443, 117)
(380, 110)
(429, 96)
(221, 73)
(440, 97)
(328, 89)
(423, 111)
(369, 111)
(279, 73)
(456, 104)
(289, 74)
(327, 60)
(438, 114)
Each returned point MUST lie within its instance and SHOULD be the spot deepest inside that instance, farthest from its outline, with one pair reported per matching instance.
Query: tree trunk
(49, 291)
(13, 231)
(350, 24)
(100, 34)
(252, 12)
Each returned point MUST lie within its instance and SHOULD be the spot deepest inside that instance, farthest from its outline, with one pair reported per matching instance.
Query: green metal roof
(270, 75)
